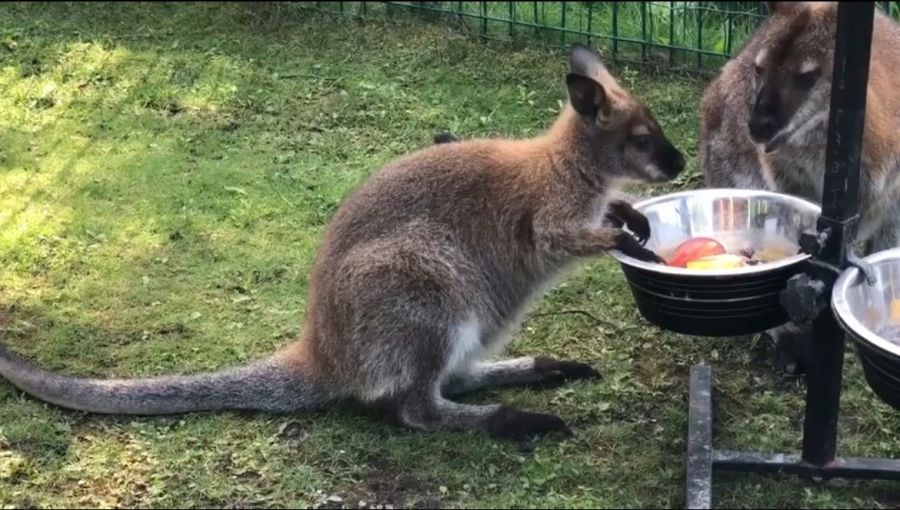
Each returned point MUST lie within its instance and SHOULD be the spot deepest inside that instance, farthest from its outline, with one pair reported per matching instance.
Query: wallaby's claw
(637, 251)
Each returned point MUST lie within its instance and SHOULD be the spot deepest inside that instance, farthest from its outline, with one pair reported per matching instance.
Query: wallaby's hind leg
(426, 410)
(540, 371)
(413, 330)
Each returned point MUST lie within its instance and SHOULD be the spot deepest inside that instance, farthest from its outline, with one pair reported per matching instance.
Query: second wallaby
(426, 268)
(764, 122)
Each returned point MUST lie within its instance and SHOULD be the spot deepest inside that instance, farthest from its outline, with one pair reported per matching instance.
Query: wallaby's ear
(584, 61)
(587, 96)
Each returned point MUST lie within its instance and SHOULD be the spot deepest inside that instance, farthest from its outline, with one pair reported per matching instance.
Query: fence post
(643, 31)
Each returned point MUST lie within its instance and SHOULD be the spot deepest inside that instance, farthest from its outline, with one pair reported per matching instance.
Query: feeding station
(809, 296)
(823, 285)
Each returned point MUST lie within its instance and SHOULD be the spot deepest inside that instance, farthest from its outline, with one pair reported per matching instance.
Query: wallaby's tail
(276, 384)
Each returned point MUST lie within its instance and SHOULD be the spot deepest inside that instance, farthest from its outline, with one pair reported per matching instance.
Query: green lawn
(166, 173)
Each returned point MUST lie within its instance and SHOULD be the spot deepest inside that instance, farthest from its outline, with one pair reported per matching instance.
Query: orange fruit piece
(725, 261)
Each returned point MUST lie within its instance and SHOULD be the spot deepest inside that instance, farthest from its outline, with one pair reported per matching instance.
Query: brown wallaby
(425, 268)
(765, 118)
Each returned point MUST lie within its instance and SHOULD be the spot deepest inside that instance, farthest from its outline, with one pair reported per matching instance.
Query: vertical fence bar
(699, 36)
(512, 17)
(562, 25)
(543, 14)
(643, 31)
(534, 6)
(590, 22)
(729, 25)
(671, 33)
(615, 29)
(484, 19)
(651, 29)
(363, 8)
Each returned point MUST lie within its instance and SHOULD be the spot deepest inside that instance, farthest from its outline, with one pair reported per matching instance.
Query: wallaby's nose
(674, 162)
(678, 163)
(762, 128)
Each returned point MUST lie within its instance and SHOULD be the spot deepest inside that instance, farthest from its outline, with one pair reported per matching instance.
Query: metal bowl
(864, 312)
(724, 302)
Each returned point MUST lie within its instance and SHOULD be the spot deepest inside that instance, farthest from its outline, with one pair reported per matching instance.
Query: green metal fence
(675, 35)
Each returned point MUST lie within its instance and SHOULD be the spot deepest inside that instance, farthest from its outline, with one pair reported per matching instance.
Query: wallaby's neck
(571, 153)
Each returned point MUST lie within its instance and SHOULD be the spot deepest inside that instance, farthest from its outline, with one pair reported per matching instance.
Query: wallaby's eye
(757, 69)
(640, 142)
(806, 80)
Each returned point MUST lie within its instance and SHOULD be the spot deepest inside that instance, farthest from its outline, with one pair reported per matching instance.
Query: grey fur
(264, 385)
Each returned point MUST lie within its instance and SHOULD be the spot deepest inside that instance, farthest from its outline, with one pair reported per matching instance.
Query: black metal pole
(840, 201)
(840, 197)
(700, 439)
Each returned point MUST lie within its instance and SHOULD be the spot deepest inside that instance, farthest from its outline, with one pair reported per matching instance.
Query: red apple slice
(695, 248)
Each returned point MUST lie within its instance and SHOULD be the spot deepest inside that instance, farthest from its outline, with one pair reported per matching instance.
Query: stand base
(703, 459)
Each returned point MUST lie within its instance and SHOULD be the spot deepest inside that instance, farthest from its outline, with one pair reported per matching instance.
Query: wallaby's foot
(555, 372)
(445, 137)
(621, 212)
(627, 244)
(542, 371)
(509, 423)
(422, 410)
(791, 344)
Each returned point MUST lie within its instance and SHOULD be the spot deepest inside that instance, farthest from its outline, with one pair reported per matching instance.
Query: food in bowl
(706, 253)
(895, 310)
(694, 249)
(723, 261)
(890, 332)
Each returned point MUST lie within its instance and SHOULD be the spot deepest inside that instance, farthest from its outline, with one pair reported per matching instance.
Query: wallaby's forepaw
(639, 225)
(560, 371)
(509, 423)
(622, 213)
(614, 221)
(630, 246)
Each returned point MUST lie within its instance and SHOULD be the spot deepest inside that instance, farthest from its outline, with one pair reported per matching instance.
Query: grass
(166, 172)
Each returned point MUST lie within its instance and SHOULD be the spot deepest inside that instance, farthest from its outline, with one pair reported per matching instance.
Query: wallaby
(765, 118)
(425, 269)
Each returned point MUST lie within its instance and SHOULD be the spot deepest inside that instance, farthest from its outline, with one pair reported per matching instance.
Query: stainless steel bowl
(864, 312)
(724, 302)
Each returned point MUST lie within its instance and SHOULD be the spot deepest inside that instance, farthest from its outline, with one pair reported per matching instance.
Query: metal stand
(808, 296)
